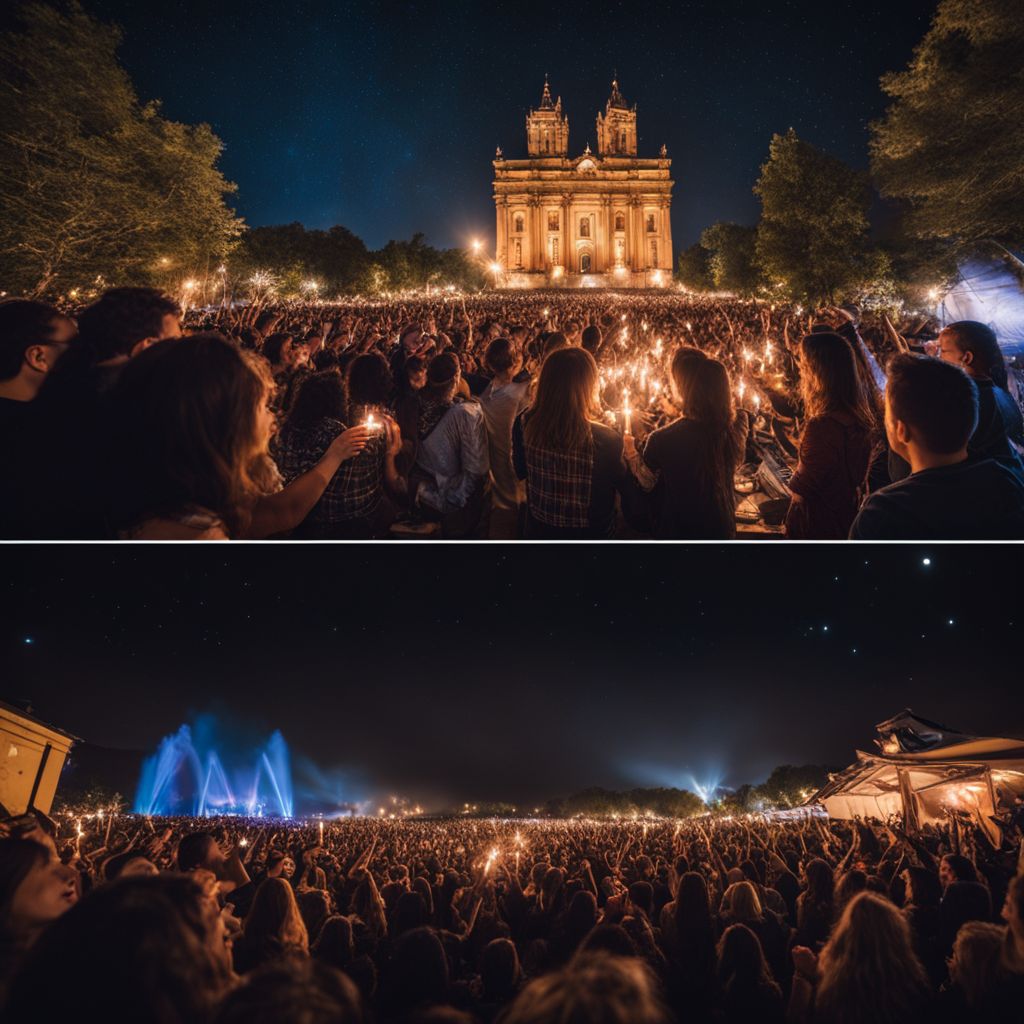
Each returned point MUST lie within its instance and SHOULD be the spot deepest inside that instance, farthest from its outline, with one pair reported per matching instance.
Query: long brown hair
(275, 916)
(706, 396)
(869, 970)
(830, 381)
(186, 414)
(559, 418)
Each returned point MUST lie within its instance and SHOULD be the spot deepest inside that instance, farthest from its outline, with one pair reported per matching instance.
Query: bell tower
(616, 128)
(547, 129)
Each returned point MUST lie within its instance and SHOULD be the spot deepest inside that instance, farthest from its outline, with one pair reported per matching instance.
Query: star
(28, 641)
(926, 561)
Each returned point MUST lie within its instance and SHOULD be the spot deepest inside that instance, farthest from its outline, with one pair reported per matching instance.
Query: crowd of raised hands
(713, 918)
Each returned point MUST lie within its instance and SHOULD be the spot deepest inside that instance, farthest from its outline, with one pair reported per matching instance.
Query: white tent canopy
(988, 290)
(923, 771)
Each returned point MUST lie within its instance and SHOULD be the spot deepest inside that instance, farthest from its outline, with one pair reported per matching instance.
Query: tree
(812, 237)
(694, 268)
(92, 182)
(731, 262)
(951, 145)
(791, 784)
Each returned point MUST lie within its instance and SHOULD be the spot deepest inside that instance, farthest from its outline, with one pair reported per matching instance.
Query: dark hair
(936, 400)
(591, 339)
(136, 949)
(707, 400)
(274, 346)
(499, 970)
(186, 418)
(334, 945)
(320, 396)
(980, 340)
(293, 992)
(121, 318)
(741, 960)
(559, 419)
(963, 870)
(500, 355)
(17, 858)
(192, 850)
(443, 368)
(829, 379)
(369, 380)
(23, 323)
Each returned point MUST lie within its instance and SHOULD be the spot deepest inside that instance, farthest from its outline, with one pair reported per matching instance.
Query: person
(591, 987)
(980, 987)
(1000, 431)
(742, 905)
(351, 504)
(502, 400)
(868, 970)
(33, 337)
(689, 464)
(190, 458)
(150, 949)
(35, 889)
(452, 466)
(815, 906)
(921, 909)
(293, 992)
(836, 442)
(931, 411)
(688, 937)
(274, 929)
(572, 464)
(748, 990)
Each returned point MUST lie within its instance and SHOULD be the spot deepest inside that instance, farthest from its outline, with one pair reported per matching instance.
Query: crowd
(503, 415)
(708, 919)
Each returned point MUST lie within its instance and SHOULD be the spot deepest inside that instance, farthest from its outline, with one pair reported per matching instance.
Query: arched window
(620, 222)
(518, 228)
(547, 142)
(622, 142)
(650, 222)
(585, 263)
(584, 227)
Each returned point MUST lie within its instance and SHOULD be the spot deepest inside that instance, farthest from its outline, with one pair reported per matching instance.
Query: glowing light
(933, 294)
(495, 268)
(926, 561)
(373, 424)
(477, 244)
(190, 285)
(311, 286)
(557, 271)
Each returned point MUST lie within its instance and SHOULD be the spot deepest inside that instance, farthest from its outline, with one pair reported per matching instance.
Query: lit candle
(627, 412)
(321, 832)
(372, 424)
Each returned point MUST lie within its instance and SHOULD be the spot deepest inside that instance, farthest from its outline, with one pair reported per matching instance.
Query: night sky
(384, 117)
(471, 673)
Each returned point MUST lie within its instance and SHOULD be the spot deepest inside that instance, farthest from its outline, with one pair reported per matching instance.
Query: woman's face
(48, 890)
(287, 867)
(265, 422)
(418, 379)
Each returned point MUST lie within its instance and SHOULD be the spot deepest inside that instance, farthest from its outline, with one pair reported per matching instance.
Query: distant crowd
(705, 920)
(550, 416)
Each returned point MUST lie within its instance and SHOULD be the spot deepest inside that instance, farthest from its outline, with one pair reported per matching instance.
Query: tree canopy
(94, 183)
(730, 249)
(951, 145)
(812, 237)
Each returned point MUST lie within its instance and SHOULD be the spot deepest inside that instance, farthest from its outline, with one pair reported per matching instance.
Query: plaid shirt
(354, 492)
(558, 485)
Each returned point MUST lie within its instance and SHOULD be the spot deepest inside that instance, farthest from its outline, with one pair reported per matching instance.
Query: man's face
(892, 431)
(946, 876)
(170, 327)
(950, 351)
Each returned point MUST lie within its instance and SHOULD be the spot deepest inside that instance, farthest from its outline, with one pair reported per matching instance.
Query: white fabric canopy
(990, 292)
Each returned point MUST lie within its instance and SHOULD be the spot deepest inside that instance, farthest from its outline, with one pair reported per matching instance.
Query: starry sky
(384, 117)
(474, 673)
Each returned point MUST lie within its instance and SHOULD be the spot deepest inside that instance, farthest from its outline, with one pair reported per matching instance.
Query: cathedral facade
(594, 220)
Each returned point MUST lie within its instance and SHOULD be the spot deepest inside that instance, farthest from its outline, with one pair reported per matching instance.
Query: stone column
(666, 234)
(565, 257)
(501, 236)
